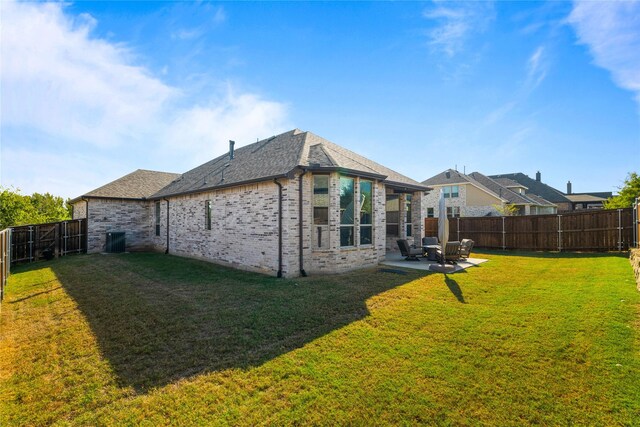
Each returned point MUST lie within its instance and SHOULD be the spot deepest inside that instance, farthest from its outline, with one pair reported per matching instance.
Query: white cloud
(536, 68)
(611, 30)
(56, 78)
(208, 128)
(88, 101)
(456, 23)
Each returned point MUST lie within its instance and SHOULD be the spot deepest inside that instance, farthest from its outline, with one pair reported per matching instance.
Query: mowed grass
(152, 339)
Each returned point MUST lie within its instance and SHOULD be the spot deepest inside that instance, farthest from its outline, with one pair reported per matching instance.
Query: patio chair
(451, 253)
(430, 253)
(465, 247)
(410, 254)
(429, 241)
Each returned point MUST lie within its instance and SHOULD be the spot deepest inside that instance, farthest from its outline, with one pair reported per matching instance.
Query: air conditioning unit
(115, 242)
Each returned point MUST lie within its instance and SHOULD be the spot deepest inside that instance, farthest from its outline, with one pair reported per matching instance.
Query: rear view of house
(293, 204)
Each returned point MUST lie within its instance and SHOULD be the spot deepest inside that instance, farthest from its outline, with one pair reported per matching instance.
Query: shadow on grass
(159, 318)
(454, 288)
(549, 255)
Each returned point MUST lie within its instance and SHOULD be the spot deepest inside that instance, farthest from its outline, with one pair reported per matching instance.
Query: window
(157, 218)
(347, 220)
(393, 215)
(450, 191)
(366, 212)
(321, 211)
(407, 211)
(430, 213)
(207, 214)
(453, 211)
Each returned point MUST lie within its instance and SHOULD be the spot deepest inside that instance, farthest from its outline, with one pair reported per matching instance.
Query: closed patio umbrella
(443, 224)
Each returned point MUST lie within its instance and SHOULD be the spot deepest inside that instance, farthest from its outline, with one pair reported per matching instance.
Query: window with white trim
(207, 214)
(157, 218)
(366, 212)
(450, 191)
(347, 211)
(321, 211)
(453, 211)
(407, 214)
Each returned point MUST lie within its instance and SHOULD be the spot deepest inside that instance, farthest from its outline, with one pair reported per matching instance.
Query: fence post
(559, 233)
(619, 230)
(458, 218)
(30, 244)
(504, 232)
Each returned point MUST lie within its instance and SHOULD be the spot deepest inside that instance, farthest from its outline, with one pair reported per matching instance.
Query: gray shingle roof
(139, 184)
(279, 156)
(536, 187)
(448, 177)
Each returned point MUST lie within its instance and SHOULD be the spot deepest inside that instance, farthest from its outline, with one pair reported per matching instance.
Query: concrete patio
(395, 259)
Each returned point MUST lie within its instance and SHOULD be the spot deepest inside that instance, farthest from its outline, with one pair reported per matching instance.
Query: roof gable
(447, 177)
(537, 187)
(276, 157)
(139, 184)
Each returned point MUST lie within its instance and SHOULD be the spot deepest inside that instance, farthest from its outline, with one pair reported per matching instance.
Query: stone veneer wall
(336, 259)
(418, 213)
(635, 263)
(105, 215)
(79, 210)
(433, 198)
(244, 230)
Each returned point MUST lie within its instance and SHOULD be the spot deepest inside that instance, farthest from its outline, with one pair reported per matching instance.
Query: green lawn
(154, 339)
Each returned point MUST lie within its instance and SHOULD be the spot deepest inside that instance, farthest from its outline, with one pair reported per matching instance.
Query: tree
(507, 209)
(627, 194)
(18, 209)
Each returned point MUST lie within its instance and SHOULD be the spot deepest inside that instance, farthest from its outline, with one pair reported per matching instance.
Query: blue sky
(94, 90)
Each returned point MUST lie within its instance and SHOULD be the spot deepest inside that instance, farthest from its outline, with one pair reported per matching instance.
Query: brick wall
(336, 259)
(244, 230)
(79, 210)
(106, 215)
(432, 201)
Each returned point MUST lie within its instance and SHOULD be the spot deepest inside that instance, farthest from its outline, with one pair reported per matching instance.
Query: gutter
(167, 200)
(279, 227)
(86, 234)
(300, 226)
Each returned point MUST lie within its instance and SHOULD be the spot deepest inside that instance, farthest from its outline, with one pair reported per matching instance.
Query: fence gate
(46, 241)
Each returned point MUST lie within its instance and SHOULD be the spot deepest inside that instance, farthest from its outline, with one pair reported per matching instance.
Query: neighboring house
(536, 186)
(288, 205)
(565, 202)
(587, 200)
(478, 195)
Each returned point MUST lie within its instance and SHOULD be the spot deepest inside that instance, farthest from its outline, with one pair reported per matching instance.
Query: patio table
(431, 251)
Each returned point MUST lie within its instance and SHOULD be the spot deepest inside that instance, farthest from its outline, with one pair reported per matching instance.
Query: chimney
(231, 144)
(538, 176)
(568, 187)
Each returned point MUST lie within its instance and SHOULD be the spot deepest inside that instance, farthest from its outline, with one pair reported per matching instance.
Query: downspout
(279, 227)
(167, 200)
(300, 248)
(86, 234)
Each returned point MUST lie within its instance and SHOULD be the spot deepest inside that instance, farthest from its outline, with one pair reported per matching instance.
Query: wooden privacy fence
(45, 241)
(5, 245)
(601, 230)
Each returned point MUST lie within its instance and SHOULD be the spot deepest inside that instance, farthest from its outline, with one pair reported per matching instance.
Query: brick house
(476, 194)
(288, 205)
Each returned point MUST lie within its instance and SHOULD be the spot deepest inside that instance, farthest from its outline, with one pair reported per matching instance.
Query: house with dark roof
(476, 194)
(536, 186)
(566, 202)
(288, 205)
